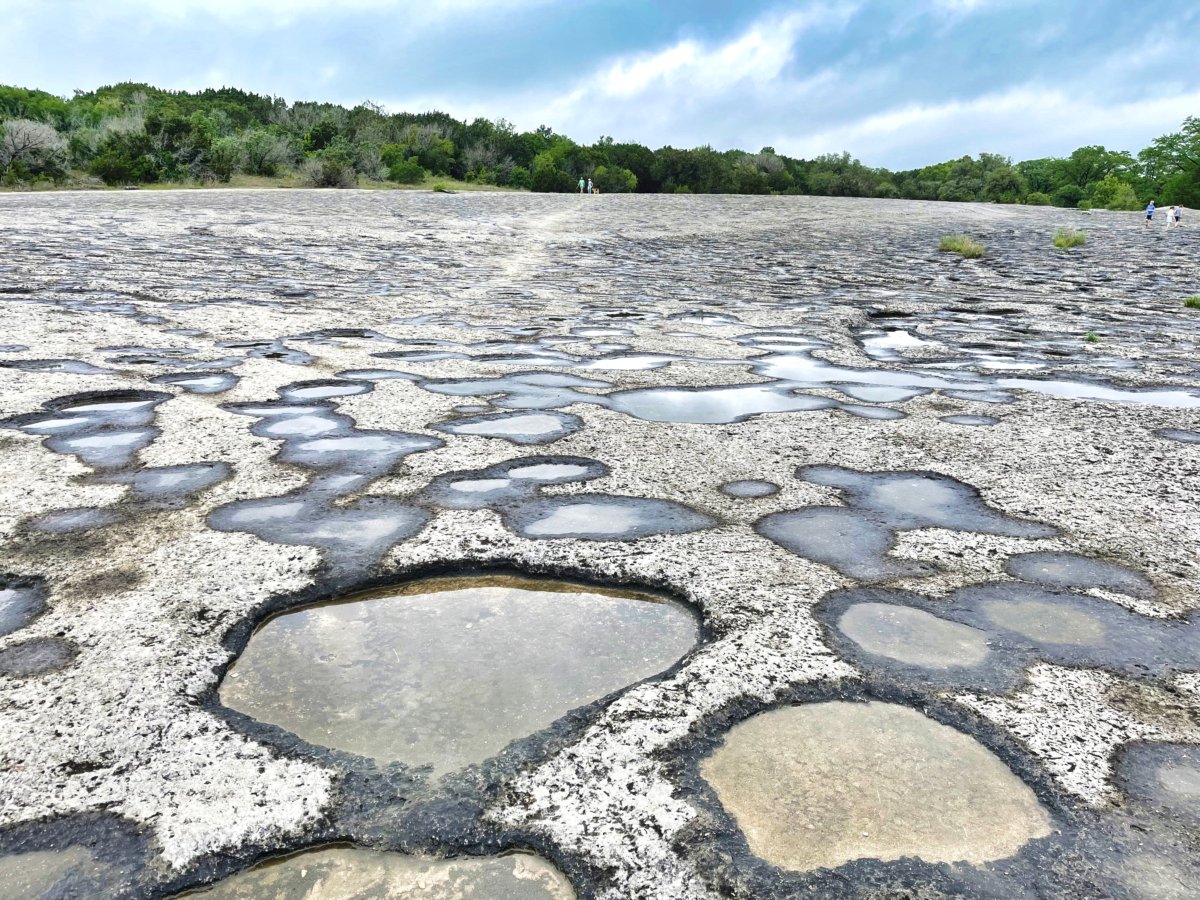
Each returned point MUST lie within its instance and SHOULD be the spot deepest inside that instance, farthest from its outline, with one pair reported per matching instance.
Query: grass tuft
(1066, 238)
(1192, 302)
(961, 243)
(1092, 338)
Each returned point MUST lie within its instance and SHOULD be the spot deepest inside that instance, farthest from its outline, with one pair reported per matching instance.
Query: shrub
(1037, 198)
(29, 148)
(615, 180)
(223, 158)
(1092, 338)
(127, 157)
(439, 187)
(327, 171)
(520, 177)
(1084, 205)
(1124, 199)
(1067, 196)
(1192, 302)
(407, 171)
(262, 152)
(1066, 238)
(552, 180)
(961, 243)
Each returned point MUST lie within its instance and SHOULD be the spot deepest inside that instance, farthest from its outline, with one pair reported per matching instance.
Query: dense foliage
(138, 134)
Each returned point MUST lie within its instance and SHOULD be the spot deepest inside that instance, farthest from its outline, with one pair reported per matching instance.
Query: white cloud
(1016, 122)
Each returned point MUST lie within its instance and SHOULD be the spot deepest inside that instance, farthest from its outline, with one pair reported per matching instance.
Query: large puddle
(351, 874)
(823, 784)
(448, 672)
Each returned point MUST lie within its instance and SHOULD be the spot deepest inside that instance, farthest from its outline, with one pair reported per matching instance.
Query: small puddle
(749, 489)
(520, 428)
(448, 672)
(1070, 570)
(823, 784)
(976, 421)
(353, 874)
(52, 874)
(36, 656)
(21, 601)
(912, 636)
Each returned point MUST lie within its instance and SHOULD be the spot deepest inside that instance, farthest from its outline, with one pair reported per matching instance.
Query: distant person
(589, 185)
(1149, 213)
(581, 184)
(1171, 217)
(1179, 216)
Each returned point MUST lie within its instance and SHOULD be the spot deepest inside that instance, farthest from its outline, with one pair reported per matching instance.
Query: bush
(1067, 196)
(1192, 302)
(552, 180)
(262, 152)
(32, 149)
(127, 157)
(614, 180)
(407, 171)
(520, 177)
(1037, 198)
(1092, 338)
(327, 171)
(1124, 199)
(961, 243)
(1084, 205)
(1066, 238)
(223, 158)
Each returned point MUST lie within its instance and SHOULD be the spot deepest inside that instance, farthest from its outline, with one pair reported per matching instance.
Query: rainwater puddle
(21, 601)
(353, 874)
(749, 489)
(322, 390)
(843, 539)
(51, 874)
(713, 405)
(1179, 434)
(444, 672)
(976, 421)
(33, 657)
(103, 430)
(823, 784)
(1072, 571)
(912, 636)
(602, 517)
(83, 518)
(215, 383)
(856, 539)
(520, 428)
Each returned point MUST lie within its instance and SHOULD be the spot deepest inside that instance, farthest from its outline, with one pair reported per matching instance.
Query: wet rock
(350, 874)
(912, 636)
(36, 656)
(821, 785)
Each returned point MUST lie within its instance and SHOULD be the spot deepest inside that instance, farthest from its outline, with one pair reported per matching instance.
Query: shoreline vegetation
(138, 135)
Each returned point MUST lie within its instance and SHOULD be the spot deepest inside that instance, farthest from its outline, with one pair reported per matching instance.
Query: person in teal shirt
(1150, 213)
(581, 185)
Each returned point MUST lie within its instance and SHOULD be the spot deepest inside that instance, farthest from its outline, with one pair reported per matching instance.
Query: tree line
(137, 134)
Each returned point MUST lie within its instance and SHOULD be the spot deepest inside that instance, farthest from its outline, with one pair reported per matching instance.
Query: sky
(898, 84)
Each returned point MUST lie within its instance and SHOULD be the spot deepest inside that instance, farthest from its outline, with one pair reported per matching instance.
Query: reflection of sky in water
(450, 677)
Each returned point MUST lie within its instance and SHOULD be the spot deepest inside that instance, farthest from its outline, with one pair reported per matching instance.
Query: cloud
(1018, 122)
